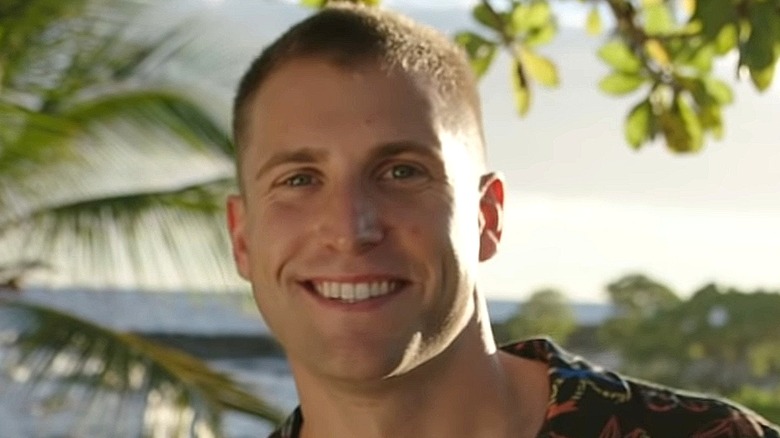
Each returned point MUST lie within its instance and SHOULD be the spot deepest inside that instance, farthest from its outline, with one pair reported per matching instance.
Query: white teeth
(362, 291)
(347, 291)
(331, 290)
(376, 289)
(354, 292)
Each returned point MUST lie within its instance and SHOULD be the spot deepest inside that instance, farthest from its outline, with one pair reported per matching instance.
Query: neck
(470, 390)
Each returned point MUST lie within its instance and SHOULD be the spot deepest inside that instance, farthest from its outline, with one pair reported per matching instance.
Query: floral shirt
(587, 401)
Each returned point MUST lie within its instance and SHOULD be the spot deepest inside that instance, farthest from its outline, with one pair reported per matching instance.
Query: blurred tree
(664, 49)
(93, 121)
(635, 298)
(88, 112)
(547, 312)
(718, 340)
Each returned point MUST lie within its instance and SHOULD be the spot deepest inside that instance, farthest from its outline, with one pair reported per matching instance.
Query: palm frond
(157, 109)
(83, 90)
(42, 38)
(162, 239)
(22, 22)
(108, 376)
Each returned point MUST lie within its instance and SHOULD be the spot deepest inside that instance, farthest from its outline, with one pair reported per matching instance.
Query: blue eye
(403, 171)
(298, 180)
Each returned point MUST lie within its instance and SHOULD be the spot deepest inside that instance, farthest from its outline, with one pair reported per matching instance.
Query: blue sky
(583, 208)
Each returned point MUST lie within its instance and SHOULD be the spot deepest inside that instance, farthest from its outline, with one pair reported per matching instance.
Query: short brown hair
(349, 35)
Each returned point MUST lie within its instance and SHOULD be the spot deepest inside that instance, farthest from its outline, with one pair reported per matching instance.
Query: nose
(350, 220)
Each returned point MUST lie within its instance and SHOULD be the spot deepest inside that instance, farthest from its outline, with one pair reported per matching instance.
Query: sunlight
(579, 245)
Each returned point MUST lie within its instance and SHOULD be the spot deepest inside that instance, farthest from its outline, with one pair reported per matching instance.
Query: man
(365, 208)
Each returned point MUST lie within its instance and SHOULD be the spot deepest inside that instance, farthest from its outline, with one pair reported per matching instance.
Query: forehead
(312, 99)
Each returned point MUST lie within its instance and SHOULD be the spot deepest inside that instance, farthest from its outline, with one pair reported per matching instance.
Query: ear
(491, 214)
(236, 217)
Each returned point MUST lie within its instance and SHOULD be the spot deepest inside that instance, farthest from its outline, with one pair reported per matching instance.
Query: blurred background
(121, 314)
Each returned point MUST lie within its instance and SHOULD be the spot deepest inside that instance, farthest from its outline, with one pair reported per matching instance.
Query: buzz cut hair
(352, 35)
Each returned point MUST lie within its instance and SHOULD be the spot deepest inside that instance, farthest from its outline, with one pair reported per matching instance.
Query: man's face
(360, 226)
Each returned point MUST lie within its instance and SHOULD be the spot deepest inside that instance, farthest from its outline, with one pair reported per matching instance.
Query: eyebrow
(304, 155)
(394, 148)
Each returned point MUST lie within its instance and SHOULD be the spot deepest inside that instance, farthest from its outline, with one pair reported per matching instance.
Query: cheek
(276, 230)
(427, 225)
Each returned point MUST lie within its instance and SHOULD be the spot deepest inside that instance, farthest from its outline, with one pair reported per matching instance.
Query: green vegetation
(545, 313)
(88, 108)
(719, 341)
(660, 52)
(93, 101)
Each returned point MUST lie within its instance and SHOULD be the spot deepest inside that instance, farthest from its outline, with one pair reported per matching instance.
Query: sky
(582, 207)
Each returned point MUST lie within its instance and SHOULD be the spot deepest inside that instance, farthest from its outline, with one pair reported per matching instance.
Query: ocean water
(268, 377)
(24, 416)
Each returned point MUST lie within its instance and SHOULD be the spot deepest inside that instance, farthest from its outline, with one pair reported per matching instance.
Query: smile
(354, 292)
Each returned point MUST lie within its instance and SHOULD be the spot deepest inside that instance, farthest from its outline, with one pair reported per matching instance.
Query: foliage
(635, 299)
(84, 97)
(721, 341)
(70, 354)
(766, 403)
(547, 312)
(664, 49)
(717, 340)
(88, 111)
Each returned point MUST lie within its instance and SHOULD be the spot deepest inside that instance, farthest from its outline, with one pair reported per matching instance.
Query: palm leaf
(96, 369)
(88, 118)
(164, 238)
(145, 109)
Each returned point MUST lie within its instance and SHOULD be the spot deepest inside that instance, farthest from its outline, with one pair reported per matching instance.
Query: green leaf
(620, 57)
(681, 127)
(541, 35)
(659, 19)
(714, 15)
(322, 3)
(593, 23)
(719, 91)
(480, 51)
(532, 16)
(727, 39)
(691, 122)
(711, 119)
(658, 52)
(762, 79)
(314, 3)
(758, 52)
(520, 88)
(540, 68)
(618, 83)
(702, 58)
(639, 124)
(482, 14)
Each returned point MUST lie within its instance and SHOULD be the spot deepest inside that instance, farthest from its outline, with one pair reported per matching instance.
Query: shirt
(588, 401)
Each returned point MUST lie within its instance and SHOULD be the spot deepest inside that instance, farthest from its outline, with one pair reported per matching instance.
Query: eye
(402, 171)
(299, 180)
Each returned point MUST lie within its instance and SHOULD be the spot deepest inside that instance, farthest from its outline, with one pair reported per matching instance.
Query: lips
(354, 291)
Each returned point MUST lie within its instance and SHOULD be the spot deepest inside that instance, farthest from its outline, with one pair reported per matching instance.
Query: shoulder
(586, 400)
(662, 411)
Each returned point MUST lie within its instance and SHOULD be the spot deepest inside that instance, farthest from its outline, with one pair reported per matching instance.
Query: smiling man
(365, 208)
